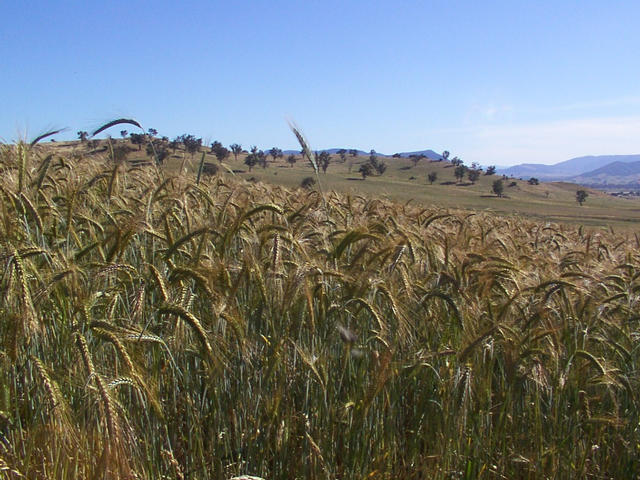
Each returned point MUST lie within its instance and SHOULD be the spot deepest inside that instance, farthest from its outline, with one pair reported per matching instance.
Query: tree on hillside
(219, 151)
(581, 196)
(396, 155)
(291, 159)
(252, 158)
(216, 144)
(157, 150)
(82, 135)
(123, 133)
(473, 175)
(365, 170)
(236, 149)
(381, 167)
(262, 158)
(533, 181)
(323, 160)
(491, 169)
(460, 172)
(433, 176)
(138, 139)
(275, 153)
(191, 143)
(498, 187)
(152, 132)
(353, 152)
(445, 155)
(456, 162)
(373, 159)
(175, 144)
(343, 155)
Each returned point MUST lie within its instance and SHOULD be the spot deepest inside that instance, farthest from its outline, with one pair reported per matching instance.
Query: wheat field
(157, 325)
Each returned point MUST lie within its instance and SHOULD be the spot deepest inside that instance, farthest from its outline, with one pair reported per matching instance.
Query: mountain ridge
(568, 169)
(430, 154)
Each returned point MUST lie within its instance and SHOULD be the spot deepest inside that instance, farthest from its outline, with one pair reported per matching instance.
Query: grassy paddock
(152, 327)
(554, 201)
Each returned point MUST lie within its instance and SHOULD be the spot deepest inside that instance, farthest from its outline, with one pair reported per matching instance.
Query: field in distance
(405, 180)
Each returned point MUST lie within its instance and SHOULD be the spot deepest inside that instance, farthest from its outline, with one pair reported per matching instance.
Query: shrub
(308, 182)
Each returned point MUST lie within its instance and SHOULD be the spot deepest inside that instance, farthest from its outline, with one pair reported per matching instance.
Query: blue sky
(495, 82)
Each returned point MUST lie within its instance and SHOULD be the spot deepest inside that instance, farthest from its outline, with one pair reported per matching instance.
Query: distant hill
(615, 173)
(333, 151)
(619, 169)
(430, 154)
(568, 169)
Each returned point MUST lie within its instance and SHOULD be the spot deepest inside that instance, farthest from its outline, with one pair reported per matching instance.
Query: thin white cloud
(607, 103)
(547, 142)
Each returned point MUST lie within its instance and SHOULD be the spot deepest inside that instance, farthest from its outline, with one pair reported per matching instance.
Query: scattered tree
(353, 152)
(152, 132)
(433, 176)
(365, 170)
(262, 158)
(291, 160)
(581, 196)
(158, 150)
(473, 175)
(216, 144)
(381, 167)
(252, 158)
(343, 155)
(498, 187)
(491, 169)
(82, 135)
(456, 162)
(123, 133)
(191, 143)
(396, 155)
(373, 159)
(138, 139)
(220, 152)
(236, 149)
(534, 181)
(323, 160)
(445, 155)
(175, 144)
(460, 172)
(275, 153)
